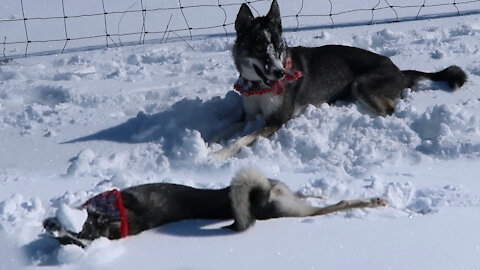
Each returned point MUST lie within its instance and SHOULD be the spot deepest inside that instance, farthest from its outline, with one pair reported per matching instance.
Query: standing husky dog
(250, 196)
(278, 81)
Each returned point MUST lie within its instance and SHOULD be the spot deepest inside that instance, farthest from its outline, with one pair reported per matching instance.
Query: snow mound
(21, 217)
(448, 132)
(69, 254)
(72, 219)
(99, 252)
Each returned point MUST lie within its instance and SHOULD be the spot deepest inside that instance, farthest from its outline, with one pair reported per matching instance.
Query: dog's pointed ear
(274, 14)
(244, 19)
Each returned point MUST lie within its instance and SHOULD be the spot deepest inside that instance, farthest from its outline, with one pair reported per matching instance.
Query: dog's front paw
(52, 226)
(226, 152)
(378, 202)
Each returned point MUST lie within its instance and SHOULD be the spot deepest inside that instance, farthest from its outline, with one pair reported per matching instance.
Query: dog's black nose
(278, 73)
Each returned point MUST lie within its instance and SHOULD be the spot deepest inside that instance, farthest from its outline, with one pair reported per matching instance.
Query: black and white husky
(278, 81)
(250, 196)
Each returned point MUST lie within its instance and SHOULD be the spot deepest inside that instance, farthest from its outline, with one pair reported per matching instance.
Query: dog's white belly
(265, 104)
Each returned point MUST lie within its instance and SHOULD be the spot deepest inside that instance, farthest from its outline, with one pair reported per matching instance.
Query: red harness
(275, 87)
(110, 204)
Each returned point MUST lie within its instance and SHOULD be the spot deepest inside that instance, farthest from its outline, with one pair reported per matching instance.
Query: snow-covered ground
(76, 124)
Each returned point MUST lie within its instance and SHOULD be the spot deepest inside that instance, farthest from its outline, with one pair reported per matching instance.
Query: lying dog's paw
(55, 229)
(378, 202)
(52, 226)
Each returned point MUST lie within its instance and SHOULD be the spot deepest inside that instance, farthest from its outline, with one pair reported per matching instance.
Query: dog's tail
(243, 183)
(454, 76)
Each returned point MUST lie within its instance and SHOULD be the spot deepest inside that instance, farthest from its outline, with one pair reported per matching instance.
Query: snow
(72, 219)
(77, 124)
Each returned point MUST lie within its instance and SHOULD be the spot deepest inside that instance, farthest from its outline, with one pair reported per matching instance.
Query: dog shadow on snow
(196, 228)
(43, 251)
(207, 117)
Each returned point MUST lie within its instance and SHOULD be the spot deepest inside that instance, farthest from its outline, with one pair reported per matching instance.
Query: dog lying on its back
(278, 81)
(250, 196)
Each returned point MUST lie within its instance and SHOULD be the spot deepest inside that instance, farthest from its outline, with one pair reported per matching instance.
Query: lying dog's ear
(244, 18)
(274, 14)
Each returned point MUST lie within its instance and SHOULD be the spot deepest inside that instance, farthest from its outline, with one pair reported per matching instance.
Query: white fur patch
(268, 36)
(242, 183)
(287, 202)
(265, 104)
(248, 72)
(276, 62)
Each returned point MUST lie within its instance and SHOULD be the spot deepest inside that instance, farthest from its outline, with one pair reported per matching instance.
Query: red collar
(275, 87)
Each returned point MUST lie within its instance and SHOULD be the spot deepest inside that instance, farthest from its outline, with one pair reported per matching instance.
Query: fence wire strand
(189, 23)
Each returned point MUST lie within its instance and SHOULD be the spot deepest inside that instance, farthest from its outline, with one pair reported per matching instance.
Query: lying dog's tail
(243, 183)
(454, 76)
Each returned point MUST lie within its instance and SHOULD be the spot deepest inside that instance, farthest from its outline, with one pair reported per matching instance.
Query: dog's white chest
(265, 104)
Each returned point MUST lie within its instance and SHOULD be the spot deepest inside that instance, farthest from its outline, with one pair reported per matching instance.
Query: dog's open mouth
(261, 74)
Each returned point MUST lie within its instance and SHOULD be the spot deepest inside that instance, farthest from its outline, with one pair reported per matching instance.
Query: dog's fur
(250, 196)
(330, 73)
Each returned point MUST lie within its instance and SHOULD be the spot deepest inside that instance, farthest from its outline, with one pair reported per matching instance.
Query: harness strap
(123, 214)
(110, 203)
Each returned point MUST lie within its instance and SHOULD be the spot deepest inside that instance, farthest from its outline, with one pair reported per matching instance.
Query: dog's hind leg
(348, 205)
(246, 140)
(378, 104)
(380, 89)
(303, 196)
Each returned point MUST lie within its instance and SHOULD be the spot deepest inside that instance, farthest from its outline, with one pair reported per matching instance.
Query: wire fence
(106, 23)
